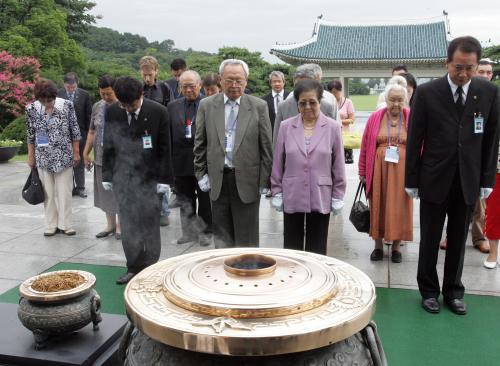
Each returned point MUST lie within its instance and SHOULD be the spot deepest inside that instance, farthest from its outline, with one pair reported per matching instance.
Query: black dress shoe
(104, 233)
(457, 306)
(81, 193)
(396, 256)
(122, 280)
(377, 255)
(431, 305)
(185, 239)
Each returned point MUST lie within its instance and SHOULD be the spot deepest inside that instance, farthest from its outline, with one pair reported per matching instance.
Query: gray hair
(193, 73)
(234, 61)
(395, 87)
(277, 74)
(397, 79)
(309, 71)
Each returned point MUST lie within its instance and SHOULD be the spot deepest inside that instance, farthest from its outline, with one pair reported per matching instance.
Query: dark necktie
(459, 102)
(133, 119)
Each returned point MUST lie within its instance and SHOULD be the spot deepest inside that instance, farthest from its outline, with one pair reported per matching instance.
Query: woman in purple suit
(308, 177)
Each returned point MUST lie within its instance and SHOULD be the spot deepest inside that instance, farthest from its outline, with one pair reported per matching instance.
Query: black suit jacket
(270, 106)
(174, 86)
(439, 140)
(125, 161)
(83, 108)
(182, 148)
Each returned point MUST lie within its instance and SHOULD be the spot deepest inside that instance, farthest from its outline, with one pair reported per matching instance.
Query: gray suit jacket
(252, 155)
(288, 109)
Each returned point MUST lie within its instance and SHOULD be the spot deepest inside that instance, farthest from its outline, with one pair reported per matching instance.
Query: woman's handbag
(351, 140)
(360, 212)
(33, 190)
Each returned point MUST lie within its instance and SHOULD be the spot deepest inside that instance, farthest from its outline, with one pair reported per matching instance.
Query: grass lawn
(365, 103)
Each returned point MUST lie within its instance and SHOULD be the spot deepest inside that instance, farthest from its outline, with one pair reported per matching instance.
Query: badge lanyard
(190, 120)
(43, 138)
(392, 152)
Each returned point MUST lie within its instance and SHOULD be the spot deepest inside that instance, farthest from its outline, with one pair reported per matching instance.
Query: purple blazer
(309, 180)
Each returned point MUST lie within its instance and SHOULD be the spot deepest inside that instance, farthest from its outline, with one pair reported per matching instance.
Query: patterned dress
(61, 129)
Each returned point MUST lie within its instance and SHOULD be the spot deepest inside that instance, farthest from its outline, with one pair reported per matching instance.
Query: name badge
(147, 142)
(188, 130)
(478, 124)
(392, 154)
(228, 142)
(42, 140)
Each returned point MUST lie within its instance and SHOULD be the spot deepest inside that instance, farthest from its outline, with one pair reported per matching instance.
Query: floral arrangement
(10, 143)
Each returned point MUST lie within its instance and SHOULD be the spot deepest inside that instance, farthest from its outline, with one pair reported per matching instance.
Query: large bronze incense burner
(226, 306)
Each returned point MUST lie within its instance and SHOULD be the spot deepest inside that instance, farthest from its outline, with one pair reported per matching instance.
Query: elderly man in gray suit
(289, 108)
(233, 156)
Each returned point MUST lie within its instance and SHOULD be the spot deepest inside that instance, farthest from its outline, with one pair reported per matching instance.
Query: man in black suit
(450, 163)
(182, 121)
(83, 110)
(177, 67)
(277, 94)
(137, 166)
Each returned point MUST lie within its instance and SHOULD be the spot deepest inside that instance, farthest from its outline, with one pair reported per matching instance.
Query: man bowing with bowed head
(233, 156)
(450, 163)
(137, 166)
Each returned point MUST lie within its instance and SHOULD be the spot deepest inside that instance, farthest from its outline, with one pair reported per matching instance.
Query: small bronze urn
(58, 312)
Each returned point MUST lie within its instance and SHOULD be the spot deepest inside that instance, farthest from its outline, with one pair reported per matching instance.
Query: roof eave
(290, 58)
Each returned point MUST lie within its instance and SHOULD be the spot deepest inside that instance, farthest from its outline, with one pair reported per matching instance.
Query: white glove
(485, 193)
(107, 186)
(337, 206)
(264, 190)
(277, 202)
(412, 192)
(163, 189)
(204, 183)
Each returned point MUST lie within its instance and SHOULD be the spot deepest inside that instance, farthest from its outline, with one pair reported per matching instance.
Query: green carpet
(411, 337)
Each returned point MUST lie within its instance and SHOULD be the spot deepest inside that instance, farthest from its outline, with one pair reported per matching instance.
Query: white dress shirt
(281, 98)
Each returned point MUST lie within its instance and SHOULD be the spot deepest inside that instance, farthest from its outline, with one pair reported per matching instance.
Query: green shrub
(16, 130)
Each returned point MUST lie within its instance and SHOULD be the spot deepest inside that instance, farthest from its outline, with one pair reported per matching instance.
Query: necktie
(459, 102)
(276, 102)
(133, 119)
(72, 97)
(231, 129)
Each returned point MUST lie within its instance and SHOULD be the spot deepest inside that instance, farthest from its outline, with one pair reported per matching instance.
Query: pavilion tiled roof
(369, 43)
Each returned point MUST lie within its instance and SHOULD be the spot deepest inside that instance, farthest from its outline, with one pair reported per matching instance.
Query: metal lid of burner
(250, 301)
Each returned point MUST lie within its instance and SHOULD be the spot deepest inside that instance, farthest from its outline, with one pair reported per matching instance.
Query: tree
(17, 79)
(38, 28)
(356, 87)
(78, 18)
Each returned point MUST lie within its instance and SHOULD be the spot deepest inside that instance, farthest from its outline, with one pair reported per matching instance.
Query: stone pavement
(25, 252)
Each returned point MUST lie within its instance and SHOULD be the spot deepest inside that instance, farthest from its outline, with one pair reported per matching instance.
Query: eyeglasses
(306, 103)
(231, 82)
(188, 86)
(132, 105)
(467, 68)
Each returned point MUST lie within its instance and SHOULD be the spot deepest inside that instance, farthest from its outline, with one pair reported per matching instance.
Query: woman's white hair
(396, 87)
(234, 61)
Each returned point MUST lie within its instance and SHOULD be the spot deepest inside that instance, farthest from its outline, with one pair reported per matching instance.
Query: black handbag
(360, 212)
(33, 190)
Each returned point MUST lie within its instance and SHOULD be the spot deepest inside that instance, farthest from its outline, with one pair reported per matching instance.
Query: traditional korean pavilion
(370, 51)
